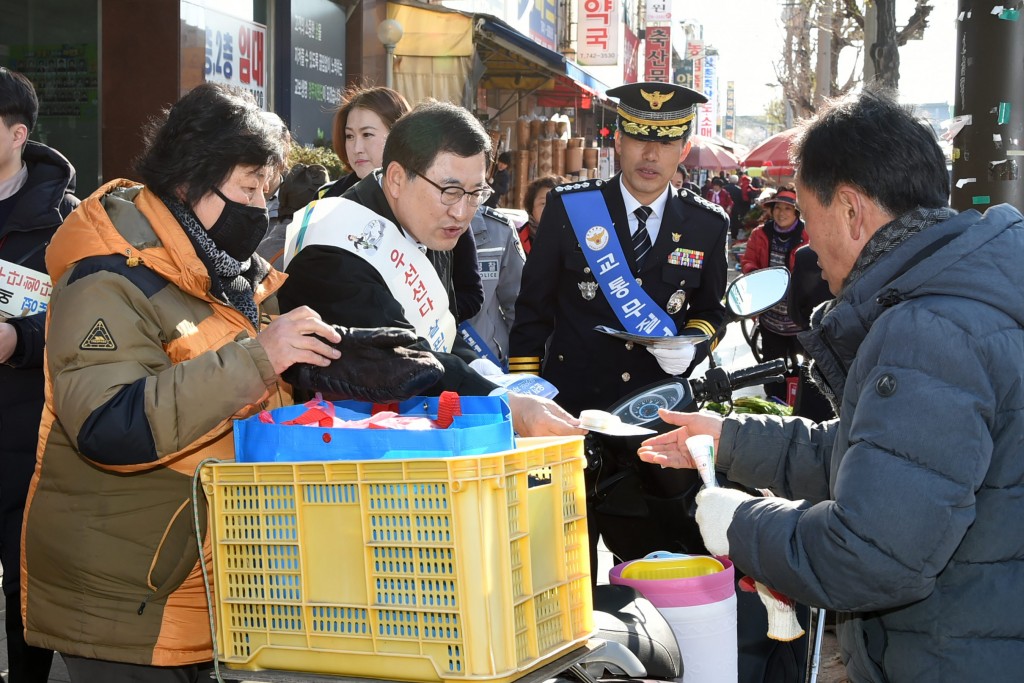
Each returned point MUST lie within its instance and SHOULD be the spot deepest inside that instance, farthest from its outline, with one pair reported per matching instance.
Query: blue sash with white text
(477, 343)
(593, 226)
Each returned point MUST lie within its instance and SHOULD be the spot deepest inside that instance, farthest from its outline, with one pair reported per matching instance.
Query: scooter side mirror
(757, 291)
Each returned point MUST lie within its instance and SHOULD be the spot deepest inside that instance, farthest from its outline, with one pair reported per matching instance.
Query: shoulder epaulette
(695, 200)
(580, 186)
(496, 214)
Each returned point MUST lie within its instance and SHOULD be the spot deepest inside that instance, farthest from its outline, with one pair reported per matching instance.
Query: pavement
(732, 353)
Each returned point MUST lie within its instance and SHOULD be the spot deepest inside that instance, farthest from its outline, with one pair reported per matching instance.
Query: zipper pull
(889, 297)
(132, 261)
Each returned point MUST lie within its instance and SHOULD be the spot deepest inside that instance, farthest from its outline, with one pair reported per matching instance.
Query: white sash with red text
(409, 274)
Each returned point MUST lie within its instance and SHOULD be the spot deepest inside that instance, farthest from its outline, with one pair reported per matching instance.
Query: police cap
(656, 111)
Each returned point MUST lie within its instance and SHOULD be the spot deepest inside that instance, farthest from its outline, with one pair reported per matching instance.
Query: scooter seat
(622, 615)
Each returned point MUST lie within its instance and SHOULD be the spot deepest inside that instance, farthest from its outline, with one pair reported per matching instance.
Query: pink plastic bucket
(702, 613)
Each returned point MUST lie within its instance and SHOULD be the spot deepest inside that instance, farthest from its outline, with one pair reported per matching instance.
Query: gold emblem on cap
(656, 99)
(635, 128)
(674, 131)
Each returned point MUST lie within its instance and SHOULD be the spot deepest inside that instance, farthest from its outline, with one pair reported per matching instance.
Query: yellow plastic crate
(464, 568)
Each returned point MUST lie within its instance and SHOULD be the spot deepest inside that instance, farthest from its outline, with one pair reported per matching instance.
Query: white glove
(782, 621)
(715, 510)
(674, 361)
(486, 368)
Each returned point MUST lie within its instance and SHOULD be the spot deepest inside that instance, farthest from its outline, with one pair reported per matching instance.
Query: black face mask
(240, 228)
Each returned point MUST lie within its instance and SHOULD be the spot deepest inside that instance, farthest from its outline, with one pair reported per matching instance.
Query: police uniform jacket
(591, 369)
(501, 260)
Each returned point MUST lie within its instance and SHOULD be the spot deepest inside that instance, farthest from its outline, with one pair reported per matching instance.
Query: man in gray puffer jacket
(904, 514)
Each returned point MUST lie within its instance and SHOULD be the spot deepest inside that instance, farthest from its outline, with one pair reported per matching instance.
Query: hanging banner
(631, 60)
(707, 115)
(658, 54)
(729, 128)
(698, 75)
(695, 49)
(598, 32)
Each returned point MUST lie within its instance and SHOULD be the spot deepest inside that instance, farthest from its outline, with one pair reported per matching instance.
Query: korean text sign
(23, 291)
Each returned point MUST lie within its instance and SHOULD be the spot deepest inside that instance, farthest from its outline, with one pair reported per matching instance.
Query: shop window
(55, 43)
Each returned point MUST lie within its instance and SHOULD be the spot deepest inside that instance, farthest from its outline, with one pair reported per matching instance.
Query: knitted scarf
(232, 282)
(885, 239)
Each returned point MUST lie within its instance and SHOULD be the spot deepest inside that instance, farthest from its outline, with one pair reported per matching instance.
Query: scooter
(623, 491)
(633, 640)
(637, 508)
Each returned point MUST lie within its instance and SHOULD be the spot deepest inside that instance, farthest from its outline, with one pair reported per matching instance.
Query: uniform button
(587, 269)
(640, 282)
(682, 282)
(561, 357)
(629, 346)
(625, 377)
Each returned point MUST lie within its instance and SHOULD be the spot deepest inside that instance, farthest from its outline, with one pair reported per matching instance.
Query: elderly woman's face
(248, 185)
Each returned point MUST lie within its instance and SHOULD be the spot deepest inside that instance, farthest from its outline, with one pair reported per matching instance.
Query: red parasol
(706, 154)
(772, 152)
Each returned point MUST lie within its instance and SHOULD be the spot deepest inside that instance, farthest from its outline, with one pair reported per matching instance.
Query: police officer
(630, 253)
(634, 254)
(501, 258)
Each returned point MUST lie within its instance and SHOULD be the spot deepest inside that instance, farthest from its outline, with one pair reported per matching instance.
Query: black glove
(375, 366)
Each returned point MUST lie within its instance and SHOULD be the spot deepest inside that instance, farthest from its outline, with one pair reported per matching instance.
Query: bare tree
(844, 19)
(884, 52)
(795, 71)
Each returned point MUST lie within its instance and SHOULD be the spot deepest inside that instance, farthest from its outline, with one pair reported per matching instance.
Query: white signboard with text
(235, 53)
(600, 23)
(23, 291)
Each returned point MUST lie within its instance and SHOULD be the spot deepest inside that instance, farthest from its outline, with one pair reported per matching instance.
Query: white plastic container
(700, 608)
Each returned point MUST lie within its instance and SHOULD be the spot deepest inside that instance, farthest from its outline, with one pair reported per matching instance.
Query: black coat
(346, 290)
(591, 369)
(42, 204)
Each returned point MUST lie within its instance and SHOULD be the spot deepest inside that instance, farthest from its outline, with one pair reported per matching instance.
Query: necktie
(641, 238)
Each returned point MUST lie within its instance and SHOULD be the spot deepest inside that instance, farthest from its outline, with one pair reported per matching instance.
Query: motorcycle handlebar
(718, 384)
(758, 374)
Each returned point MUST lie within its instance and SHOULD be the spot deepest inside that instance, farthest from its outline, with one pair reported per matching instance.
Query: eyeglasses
(450, 196)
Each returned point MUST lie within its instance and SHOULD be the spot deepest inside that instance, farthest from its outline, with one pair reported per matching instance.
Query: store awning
(516, 61)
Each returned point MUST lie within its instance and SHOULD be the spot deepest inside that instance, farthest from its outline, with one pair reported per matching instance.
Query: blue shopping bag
(485, 426)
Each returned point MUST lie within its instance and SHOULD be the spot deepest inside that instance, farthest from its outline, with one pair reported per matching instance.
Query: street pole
(988, 151)
(389, 32)
(389, 66)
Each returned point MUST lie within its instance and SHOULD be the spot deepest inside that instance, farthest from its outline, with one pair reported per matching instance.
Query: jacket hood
(970, 256)
(46, 201)
(146, 229)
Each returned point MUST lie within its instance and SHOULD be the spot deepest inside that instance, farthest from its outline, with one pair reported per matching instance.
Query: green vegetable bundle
(750, 404)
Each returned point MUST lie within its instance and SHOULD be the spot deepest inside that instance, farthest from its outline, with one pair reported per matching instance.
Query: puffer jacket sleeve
(920, 441)
(29, 351)
(118, 394)
(790, 456)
